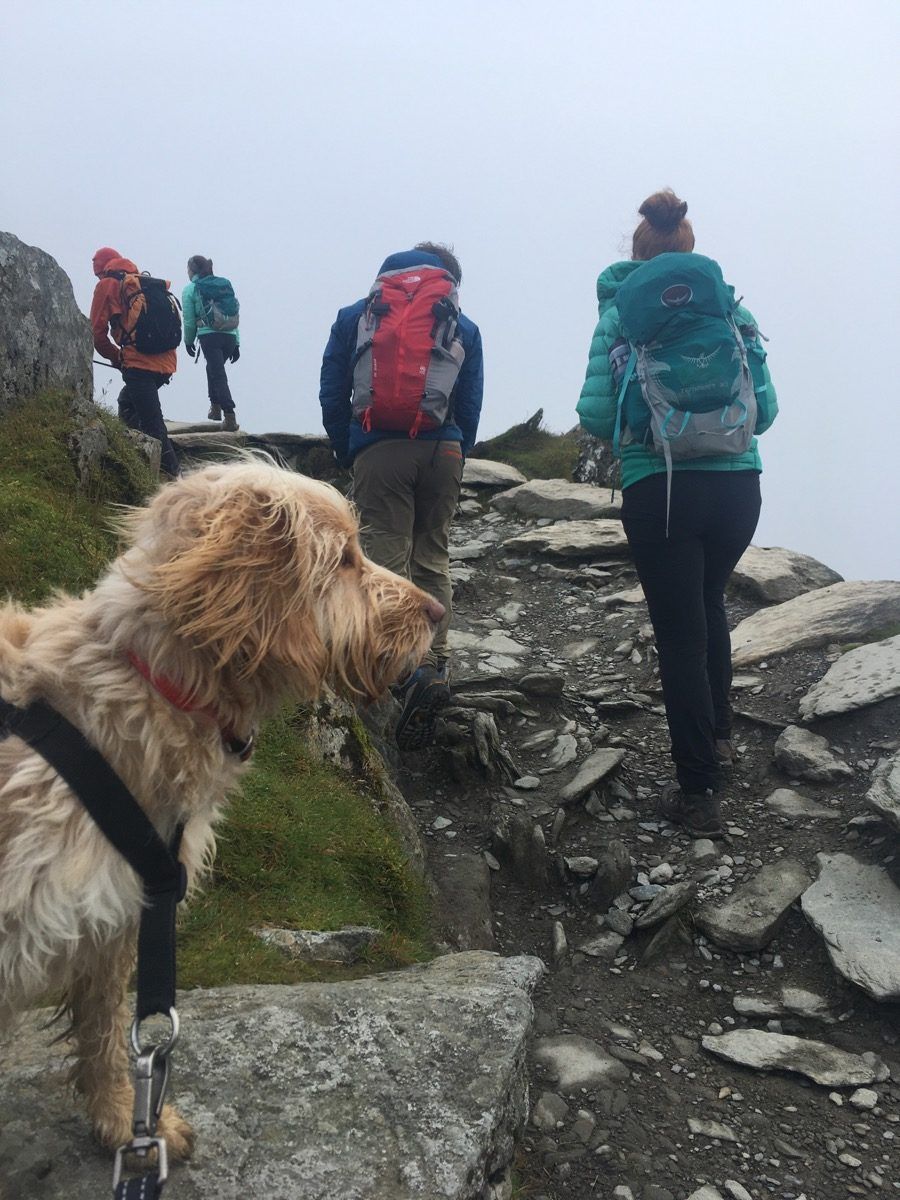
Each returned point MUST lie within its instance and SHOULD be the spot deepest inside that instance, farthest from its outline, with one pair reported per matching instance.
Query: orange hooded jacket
(106, 314)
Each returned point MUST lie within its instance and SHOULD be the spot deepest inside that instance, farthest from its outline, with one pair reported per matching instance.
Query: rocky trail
(716, 1020)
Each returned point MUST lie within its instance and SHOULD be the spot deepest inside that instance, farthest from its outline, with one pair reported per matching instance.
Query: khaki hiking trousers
(406, 492)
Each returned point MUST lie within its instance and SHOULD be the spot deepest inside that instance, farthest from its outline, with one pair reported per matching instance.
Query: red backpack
(408, 352)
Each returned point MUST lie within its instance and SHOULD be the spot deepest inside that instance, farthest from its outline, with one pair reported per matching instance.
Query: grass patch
(53, 533)
(536, 451)
(302, 848)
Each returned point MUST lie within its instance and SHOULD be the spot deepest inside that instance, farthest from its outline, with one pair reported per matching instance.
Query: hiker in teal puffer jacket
(210, 312)
(684, 547)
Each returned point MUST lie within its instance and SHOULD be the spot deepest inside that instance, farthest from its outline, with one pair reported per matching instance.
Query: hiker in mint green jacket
(677, 380)
(211, 312)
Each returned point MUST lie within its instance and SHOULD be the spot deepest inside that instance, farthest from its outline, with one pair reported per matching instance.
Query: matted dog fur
(246, 586)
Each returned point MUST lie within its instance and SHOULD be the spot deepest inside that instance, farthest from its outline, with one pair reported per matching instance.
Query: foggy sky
(297, 144)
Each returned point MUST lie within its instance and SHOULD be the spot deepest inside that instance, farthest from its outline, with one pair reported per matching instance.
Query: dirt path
(644, 1003)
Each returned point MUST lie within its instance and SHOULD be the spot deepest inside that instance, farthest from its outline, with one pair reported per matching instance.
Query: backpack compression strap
(127, 827)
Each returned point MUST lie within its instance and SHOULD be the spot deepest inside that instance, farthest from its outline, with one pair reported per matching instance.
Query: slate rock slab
(774, 575)
(558, 500)
(842, 612)
(399, 1086)
(855, 907)
(884, 794)
(592, 771)
(576, 1062)
(788, 803)
(818, 1061)
(860, 677)
(586, 540)
(804, 755)
(752, 915)
(666, 903)
(482, 472)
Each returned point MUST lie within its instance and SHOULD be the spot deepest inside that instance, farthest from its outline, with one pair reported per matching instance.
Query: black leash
(126, 826)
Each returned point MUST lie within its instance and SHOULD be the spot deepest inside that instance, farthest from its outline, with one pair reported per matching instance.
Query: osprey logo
(701, 361)
(677, 295)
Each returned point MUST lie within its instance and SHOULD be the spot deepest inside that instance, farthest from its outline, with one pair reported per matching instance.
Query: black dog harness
(126, 826)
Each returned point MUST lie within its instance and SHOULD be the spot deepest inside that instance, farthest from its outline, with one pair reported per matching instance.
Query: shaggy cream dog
(242, 585)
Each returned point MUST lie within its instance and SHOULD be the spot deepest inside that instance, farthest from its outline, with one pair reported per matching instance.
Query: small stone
(527, 782)
(662, 874)
(582, 865)
(441, 823)
(711, 1129)
(620, 922)
(491, 861)
(864, 1098)
(736, 1190)
(559, 942)
(604, 945)
(703, 851)
(549, 1112)
(849, 1160)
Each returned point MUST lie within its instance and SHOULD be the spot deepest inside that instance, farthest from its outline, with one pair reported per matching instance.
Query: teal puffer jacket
(599, 395)
(194, 316)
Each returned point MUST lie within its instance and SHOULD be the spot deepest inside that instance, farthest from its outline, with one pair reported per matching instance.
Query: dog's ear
(235, 570)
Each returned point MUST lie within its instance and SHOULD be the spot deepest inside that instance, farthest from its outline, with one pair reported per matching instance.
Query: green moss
(536, 451)
(301, 847)
(54, 533)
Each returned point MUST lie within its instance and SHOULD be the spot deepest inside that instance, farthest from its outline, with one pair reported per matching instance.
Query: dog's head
(262, 568)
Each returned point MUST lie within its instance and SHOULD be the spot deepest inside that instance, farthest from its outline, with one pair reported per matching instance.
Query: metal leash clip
(151, 1081)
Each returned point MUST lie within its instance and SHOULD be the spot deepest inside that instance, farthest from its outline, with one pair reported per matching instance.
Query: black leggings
(217, 349)
(139, 408)
(712, 520)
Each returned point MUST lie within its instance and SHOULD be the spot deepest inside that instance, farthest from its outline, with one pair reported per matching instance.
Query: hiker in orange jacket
(143, 374)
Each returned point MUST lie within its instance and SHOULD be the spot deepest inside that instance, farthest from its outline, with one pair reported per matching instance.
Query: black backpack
(151, 317)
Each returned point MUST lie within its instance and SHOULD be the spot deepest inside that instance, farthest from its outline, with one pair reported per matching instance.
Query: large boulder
(775, 575)
(586, 540)
(558, 500)
(45, 342)
(842, 612)
(395, 1087)
(855, 907)
(482, 472)
(860, 677)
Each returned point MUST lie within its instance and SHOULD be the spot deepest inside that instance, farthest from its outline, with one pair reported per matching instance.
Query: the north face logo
(677, 295)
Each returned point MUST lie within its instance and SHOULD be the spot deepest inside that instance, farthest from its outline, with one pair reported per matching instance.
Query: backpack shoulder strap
(126, 826)
(626, 379)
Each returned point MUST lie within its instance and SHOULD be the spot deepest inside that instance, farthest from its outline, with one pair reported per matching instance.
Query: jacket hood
(612, 279)
(119, 264)
(409, 258)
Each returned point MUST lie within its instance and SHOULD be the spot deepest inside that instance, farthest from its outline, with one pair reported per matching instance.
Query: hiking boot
(423, 695)
(215, 413)
(698, 813)
(230, 424)
(725, 752)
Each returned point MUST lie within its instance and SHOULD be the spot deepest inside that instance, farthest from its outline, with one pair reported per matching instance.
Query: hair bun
(664, 211)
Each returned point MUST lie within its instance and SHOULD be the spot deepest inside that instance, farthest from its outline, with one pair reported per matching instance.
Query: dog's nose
(434, 610)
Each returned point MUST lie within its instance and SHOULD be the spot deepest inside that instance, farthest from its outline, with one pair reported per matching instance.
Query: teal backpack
(690, 386)
(221, 310)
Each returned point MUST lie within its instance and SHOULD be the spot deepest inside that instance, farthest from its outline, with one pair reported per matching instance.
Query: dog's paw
(178, 1134)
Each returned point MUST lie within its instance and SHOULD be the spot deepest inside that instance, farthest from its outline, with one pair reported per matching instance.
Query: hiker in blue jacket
(406, 479)
(687, 521)
(210, 312)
